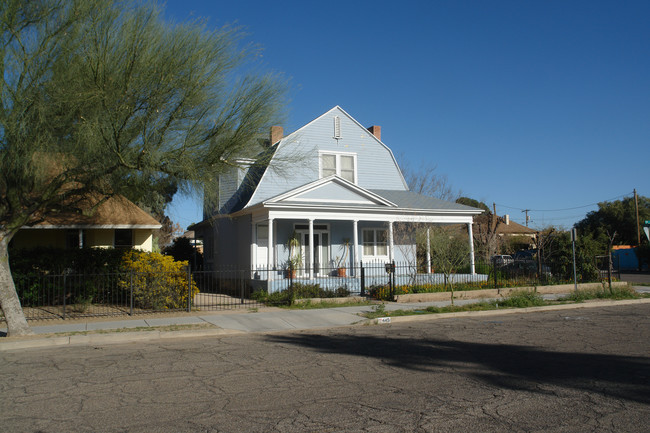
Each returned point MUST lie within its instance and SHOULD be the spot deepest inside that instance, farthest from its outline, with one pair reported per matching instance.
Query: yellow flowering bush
(159, 282)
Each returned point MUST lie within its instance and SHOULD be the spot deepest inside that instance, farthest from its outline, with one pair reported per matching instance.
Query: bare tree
(450, 251)
(426, 181)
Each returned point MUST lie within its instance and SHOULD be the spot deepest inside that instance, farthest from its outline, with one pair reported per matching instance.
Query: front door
(320, 250)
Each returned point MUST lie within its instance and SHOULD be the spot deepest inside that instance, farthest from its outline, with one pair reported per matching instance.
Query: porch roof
(413, 200)
(349, 201)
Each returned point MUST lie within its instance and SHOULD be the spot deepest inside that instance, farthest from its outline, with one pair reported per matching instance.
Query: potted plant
(295, 256)
(341, 261)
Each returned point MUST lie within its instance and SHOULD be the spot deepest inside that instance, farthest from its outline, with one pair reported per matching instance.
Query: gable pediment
(332, 190)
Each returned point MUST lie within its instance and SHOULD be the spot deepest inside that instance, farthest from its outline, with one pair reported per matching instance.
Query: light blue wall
(296, 160)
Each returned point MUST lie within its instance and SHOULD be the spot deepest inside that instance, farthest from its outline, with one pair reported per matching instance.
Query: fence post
(363, 279)
(189, 288)
(290, 283)
(131, 293)
(64, 281)
(391, 279)
(241, 288)
(609, 271)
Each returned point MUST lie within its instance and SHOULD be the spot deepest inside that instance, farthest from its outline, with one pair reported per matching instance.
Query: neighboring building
(115, 223)
(506, 228)
(196, 243)
(333, 185)
(499, 230)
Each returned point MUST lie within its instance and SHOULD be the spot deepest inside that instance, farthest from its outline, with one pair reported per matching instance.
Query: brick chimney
(376, 131)
(276, 134)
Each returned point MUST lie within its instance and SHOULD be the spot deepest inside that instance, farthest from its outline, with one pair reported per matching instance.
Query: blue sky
(540, 105)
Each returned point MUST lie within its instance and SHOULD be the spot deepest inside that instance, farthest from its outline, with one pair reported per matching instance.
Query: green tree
(102, 97)
(617, 216)
(557, 253)
(474, 203)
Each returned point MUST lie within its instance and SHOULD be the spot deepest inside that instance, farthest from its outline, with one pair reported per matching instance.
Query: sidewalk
(230, 322)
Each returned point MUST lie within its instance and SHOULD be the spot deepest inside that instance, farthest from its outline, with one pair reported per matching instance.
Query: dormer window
(341, 164)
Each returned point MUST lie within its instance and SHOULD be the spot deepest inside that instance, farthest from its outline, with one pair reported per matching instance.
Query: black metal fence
(82, 295)
(85, 295)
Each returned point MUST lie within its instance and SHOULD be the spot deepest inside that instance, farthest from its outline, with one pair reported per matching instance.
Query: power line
(562, 210)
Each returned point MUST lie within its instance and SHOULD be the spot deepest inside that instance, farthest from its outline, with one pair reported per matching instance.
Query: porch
(359, 279)
(320, 249)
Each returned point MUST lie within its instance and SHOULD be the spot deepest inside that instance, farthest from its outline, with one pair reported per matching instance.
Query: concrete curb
(120, 337)
(433, 316)
(499, 293)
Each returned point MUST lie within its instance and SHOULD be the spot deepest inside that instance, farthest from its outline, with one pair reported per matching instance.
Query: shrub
(522, 299)
(616, 293)
(29, 289)
(158, 281)
(183, 250)
(43, 261)
(380, 292)
(300, 291)
(304, 291)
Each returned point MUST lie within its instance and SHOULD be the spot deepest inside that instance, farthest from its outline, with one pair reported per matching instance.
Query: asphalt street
(571, 371)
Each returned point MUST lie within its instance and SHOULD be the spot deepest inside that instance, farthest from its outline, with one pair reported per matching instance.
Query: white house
(336, 186)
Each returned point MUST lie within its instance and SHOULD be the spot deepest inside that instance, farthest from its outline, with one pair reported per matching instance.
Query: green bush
(29, 289)
(299, 291)
(380, 292)
(44, 261)
(604, 293)
(522, 299)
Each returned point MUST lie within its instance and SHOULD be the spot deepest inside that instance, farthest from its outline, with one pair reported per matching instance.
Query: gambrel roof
(293, 176)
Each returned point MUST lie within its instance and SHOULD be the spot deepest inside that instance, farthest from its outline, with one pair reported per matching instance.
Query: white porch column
(311, 249)
(253, 247)
(471, 248)
(355, 251)
(428, 250)
(270, 249)
(390, 241)
(81, 238)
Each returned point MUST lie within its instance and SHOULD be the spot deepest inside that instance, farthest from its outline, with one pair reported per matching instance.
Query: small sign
(647, 232)
(383, 320)
(646, 222)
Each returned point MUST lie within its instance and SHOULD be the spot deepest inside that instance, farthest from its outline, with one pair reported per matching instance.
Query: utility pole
(636, 208)
(574, 236)
(638, 230)
(526, 210)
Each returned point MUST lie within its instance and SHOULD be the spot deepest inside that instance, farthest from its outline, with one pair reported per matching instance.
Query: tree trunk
(9, 302)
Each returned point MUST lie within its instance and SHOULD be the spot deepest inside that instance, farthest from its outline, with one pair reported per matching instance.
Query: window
(123, 238)
(340, 164)
(72, 240)
(375, 242)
